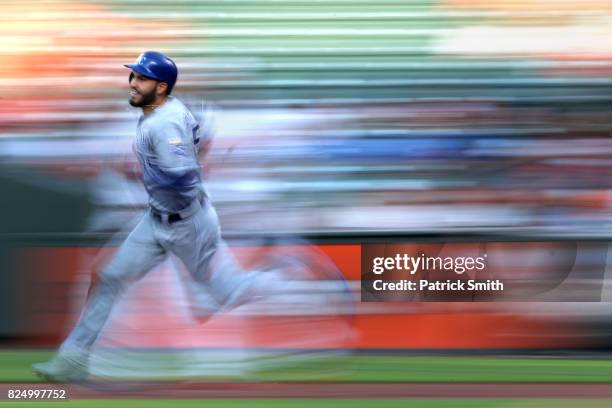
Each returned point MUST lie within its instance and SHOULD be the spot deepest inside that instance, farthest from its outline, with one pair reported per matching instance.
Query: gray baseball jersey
(166, 148)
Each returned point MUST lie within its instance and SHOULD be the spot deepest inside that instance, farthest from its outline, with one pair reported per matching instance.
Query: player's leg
(138, 254)
(197, 242)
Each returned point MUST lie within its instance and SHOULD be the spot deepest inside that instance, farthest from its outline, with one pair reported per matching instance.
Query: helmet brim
(143, 71)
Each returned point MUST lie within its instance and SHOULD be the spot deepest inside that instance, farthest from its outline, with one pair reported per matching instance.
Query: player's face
(143, 90)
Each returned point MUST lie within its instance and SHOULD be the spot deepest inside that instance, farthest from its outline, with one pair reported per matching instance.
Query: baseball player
(179, 220)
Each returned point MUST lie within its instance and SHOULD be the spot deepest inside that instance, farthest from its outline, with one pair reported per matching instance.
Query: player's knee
(109, 280)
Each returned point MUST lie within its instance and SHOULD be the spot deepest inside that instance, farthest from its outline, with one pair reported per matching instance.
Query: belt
(170, 218)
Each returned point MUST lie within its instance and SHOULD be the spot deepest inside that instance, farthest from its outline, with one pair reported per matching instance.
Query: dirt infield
(197, 390)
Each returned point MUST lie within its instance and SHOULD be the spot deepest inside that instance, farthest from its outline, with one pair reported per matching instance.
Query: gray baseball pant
(196, 241)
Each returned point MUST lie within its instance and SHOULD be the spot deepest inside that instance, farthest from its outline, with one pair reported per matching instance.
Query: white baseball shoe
(65, 367)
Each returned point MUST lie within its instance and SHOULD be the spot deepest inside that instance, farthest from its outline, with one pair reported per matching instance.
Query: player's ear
(162, 88)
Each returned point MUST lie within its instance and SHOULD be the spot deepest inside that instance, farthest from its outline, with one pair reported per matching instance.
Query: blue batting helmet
(156, 65)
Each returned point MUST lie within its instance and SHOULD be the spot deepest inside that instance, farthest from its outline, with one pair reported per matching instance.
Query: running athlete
(180, 220)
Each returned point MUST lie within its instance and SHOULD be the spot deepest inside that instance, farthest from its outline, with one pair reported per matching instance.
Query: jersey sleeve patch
(176, 146)
(174, 141)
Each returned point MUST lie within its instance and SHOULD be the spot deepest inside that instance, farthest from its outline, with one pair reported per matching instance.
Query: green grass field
(15, 368)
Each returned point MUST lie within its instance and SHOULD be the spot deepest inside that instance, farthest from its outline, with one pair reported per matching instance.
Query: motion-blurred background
(342, 121)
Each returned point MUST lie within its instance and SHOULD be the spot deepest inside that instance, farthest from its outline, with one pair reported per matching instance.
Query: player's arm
(174, 163)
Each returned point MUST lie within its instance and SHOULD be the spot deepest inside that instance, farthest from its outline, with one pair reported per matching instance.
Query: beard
(145, 99)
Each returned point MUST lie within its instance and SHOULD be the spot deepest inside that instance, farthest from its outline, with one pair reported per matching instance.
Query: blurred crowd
(334, 116)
